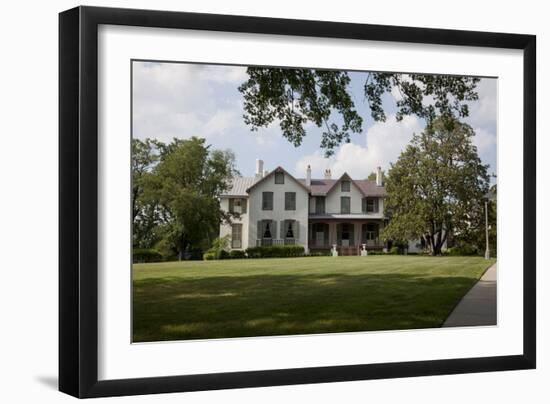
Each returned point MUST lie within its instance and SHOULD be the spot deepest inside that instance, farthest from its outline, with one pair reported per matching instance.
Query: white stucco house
(278, 209)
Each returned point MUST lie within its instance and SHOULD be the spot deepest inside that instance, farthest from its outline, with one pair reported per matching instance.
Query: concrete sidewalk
(479, 305)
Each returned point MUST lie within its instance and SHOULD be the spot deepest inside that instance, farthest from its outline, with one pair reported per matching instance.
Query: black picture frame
(78, 201)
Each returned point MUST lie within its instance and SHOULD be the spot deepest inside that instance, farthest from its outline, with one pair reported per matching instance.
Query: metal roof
(239, 185)
(367, 187)
(319, 187)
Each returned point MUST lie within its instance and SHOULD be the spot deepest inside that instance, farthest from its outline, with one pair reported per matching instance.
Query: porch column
(357, 233)
(332, 233)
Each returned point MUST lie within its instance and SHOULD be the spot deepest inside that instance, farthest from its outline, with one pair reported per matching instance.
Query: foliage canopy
(294, 97)
(437, 186)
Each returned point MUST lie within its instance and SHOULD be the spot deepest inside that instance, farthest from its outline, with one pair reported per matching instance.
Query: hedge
(140, 255)
(213, 254)
(237, 254)
(394, 250)
(275, 251)
(209, 255)
(462, 250)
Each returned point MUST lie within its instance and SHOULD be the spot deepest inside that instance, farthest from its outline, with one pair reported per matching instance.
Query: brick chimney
(328, 174)
(308, 176)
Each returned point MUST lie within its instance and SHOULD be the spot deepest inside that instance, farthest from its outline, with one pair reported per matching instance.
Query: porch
(348, 236)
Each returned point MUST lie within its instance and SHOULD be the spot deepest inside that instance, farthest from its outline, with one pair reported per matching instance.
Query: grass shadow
(175, 308)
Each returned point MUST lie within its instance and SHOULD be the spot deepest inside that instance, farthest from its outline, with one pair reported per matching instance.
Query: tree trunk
(183, 246)
(438, 245)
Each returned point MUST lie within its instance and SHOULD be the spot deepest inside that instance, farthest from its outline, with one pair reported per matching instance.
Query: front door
(347, 237)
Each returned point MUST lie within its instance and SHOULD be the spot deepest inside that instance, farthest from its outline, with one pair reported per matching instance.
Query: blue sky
(183, 100)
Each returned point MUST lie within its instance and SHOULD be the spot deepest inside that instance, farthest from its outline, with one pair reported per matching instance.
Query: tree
(187, 183)
(294, 97)
(145, 210)
(144, 157)
(437, 186)
(475, 238)
(372, 175)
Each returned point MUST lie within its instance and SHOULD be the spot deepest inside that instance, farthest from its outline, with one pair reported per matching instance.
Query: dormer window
(345, 185)
(279, 177)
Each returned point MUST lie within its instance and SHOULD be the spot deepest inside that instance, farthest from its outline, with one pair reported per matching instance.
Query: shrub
(146, 255)
(464, 249)
(320, 253)
(218, 249)
(237, 254)
(254, 252)
(209, 255)
(394, 250)
(194, 253)
(276, 251)
(376, 252)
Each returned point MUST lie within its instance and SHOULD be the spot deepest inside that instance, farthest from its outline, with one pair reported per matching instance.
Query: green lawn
(252, 297)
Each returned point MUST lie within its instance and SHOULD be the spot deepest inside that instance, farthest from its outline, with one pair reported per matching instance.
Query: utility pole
(487, 253)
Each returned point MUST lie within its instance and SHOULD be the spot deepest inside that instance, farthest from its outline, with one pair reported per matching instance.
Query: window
(371, 231)
(319, 205)
(279, 177)
(289, 233)
(267, 200)
(345, 186)
(290, 200)
(237, 205)
(345, 202)
(370, 205)
(267, 229)
(236, 236)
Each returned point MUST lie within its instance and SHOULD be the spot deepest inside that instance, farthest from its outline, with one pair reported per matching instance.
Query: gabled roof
(344, 176)
(278, 169)
(369, 188)
(319, 187)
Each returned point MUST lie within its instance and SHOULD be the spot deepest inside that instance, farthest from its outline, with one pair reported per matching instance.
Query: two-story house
(276, 208)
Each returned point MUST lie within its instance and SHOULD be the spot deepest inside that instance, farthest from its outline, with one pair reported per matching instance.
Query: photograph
(273, 201)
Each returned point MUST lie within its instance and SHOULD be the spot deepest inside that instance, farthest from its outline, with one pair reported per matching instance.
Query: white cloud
(224, 74)
(484, 140)
(483, 112)
(384, 143)
(183, 100)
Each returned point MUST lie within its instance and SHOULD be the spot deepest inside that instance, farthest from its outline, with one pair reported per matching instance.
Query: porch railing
(268, 242)
(373, 243)
(369, 244)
